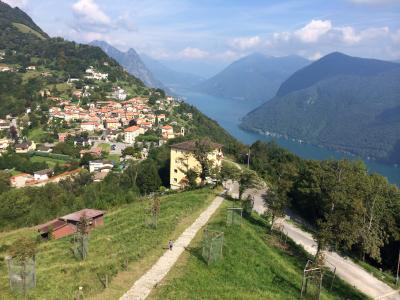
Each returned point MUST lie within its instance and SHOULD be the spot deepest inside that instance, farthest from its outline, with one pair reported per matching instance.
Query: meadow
(255, 265)
(123, 249)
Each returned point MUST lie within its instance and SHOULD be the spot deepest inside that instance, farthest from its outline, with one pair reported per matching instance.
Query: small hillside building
(67, 225)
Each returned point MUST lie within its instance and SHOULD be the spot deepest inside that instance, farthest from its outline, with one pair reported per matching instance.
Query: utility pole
(398, 268)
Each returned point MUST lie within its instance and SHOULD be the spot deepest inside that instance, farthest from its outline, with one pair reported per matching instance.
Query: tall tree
(276, 204)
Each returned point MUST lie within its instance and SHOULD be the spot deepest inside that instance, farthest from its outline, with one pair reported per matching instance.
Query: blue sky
(220, 31)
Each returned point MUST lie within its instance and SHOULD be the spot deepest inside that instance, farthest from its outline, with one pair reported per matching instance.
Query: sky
(217, 32)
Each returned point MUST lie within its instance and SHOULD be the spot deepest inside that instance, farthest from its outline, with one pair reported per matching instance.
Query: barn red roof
(89, 213)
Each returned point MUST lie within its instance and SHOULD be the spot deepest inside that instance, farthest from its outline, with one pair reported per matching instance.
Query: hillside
(341, 102)
(170, 78)
(131, 61)
(124, 238)
(255, 78)
(255, 265)
(53, 62)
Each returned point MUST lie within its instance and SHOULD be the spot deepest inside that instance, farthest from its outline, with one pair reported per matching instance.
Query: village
(106, 134)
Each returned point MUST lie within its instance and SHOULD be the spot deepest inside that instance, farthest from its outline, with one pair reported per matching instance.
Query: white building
(100, 165)
(131, 133)
(93, 74)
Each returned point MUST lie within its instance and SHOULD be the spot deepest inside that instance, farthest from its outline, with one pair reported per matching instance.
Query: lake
(227, 112)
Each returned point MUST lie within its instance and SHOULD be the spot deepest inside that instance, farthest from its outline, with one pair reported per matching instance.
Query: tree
(22, 249)
(248, 179)
(229, 171)
(202, 150)
(275, 204)
(192, 176)
(4, 181)
(148, 179)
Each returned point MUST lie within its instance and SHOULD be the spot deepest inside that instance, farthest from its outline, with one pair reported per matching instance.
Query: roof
(191, 145)
(88, 212)
(167, 127)
(44, 172)
(53, 224)
(101, 161)
(131, 129)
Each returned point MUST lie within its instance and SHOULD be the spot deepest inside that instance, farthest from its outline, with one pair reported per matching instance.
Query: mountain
(256, 77)
(131, 61)
(55, 61)
(170, 78)
(341, 102)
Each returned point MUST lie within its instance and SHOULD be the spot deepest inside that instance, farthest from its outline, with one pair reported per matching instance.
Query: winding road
(345, 268)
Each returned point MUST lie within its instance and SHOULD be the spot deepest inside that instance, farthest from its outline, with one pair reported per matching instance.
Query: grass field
(254, 266)
(50, 161)
(37, 134)
(123, 236)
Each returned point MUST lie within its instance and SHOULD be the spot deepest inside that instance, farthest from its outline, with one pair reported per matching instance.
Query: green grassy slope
(252, 268)
(124, 236)
(25, 29)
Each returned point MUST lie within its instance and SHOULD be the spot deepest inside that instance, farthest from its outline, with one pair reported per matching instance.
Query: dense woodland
(348, 209)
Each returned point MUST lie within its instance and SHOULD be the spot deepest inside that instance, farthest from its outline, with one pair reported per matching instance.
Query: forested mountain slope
(342, 102)
(255, 77)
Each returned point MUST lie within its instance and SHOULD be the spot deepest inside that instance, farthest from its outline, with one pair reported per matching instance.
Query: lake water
(227, 113)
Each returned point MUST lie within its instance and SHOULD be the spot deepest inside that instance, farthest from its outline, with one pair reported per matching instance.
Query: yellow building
(182, 160)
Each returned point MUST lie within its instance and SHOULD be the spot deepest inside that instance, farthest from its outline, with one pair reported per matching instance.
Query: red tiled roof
(131, 129)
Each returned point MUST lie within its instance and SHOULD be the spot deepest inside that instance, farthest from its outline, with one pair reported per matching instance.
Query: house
(91, 126)
(131, 133)
(44, 149)
(31, 68)
(167, 132)
(95, 151)
(119, 94)
(42, 174)
(68, 225)
(82, 141)
(183, 159)
(112, 124)
(25, 147)
(100, 165)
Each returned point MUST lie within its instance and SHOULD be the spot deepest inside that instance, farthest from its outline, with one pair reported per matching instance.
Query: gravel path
(345, 268)
(143, 286)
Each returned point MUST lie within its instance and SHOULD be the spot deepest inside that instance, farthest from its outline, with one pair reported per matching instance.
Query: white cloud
(244, 43)
(18, 3)
(193, 53)
(311, 32)
(349, 35)
(90, 12)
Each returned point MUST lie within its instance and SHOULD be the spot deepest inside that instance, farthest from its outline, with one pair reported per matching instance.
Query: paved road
(143, 286)
(118, 146)
(345, 268)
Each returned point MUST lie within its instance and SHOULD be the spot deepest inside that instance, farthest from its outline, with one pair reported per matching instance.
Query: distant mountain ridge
(171, 78)
(131, 61)
(341, 102)
(255, 77)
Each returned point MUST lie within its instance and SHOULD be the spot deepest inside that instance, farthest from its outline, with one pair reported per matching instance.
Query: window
(175, 170)
(175, 180)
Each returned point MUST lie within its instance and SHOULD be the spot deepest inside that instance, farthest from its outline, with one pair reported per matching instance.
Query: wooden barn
(67, 225)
